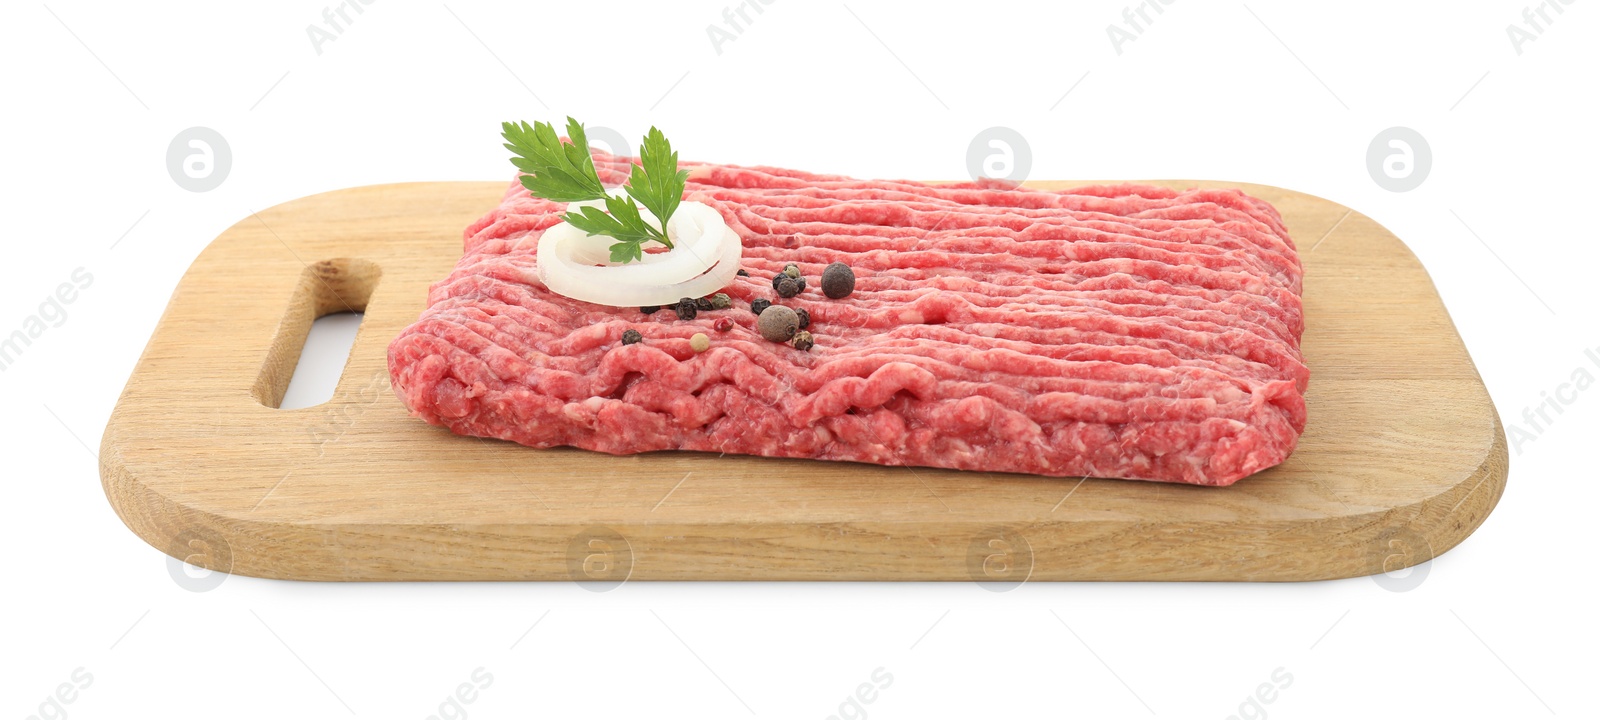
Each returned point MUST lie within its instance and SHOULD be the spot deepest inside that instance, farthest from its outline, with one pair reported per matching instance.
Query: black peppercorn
(686, 309)
(631, 336)
(805, 317)
(838, 280)
(743, 272)
(649, 309)
(702, 304)
(759, 304)
(787, 287)
(803, 341)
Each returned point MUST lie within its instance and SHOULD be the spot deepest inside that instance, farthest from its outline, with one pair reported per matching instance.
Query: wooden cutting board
(1403, 457)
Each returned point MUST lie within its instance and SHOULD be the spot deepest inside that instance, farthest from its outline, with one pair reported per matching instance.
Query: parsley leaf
(556, 171)
(622, 223)
(564, 172)
(656, 182)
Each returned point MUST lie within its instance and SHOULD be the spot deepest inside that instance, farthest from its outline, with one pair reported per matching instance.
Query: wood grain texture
(1402, 458)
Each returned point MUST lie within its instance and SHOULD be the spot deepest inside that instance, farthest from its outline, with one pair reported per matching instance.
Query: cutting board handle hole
(314, 339)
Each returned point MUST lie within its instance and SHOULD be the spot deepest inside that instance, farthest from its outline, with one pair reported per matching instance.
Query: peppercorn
(649, 309)
(792, 270)
(721, 301)
(723, 324)
(759, 304)
(777, 279)
(805, 317)
(787, 287)
(838, 280)
(703, 304)
(743, 273)
(778, 323)
(803, 341)
(631, 336)
(699, 343)
(686, 309)
(802, 282)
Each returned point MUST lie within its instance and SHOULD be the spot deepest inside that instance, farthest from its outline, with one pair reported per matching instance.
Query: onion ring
(704, 259)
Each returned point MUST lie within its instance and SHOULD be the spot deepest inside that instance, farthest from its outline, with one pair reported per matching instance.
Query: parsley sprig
(564, 172)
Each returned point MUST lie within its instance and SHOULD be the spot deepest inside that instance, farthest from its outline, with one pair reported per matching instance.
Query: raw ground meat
(1122, 331)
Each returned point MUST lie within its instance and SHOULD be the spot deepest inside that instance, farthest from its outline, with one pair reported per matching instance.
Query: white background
(1277, 92)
